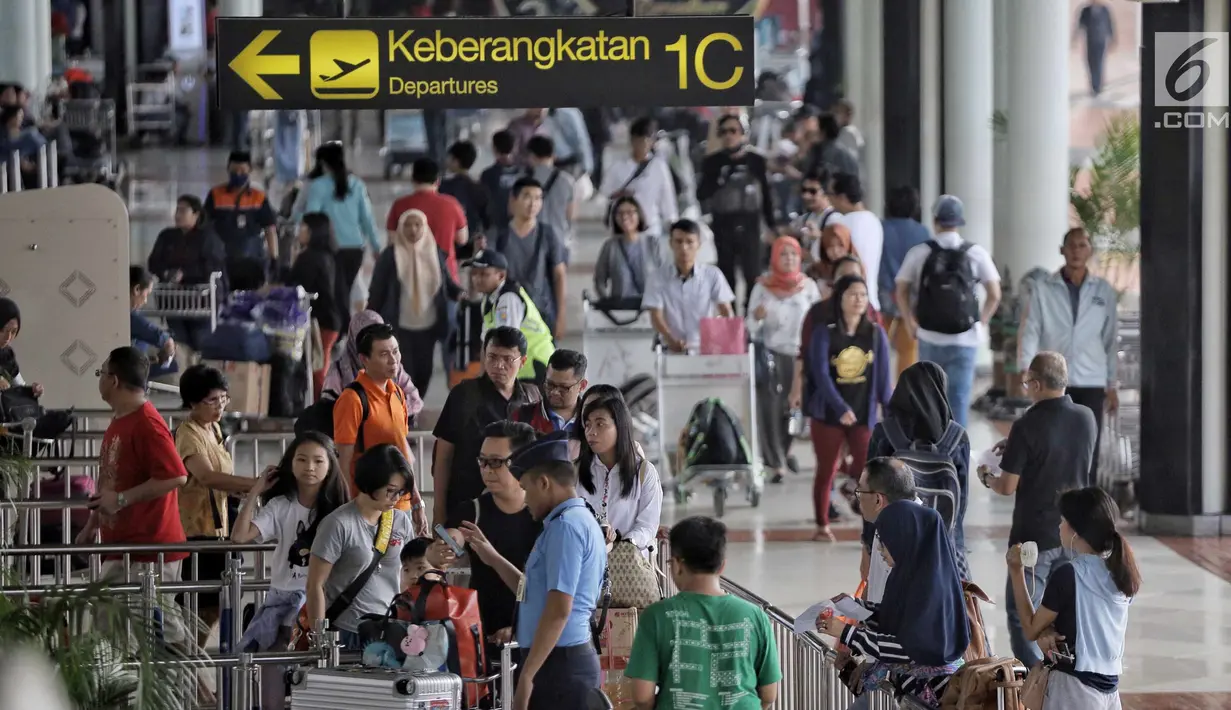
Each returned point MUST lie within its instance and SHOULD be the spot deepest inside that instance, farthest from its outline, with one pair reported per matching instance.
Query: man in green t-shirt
(703, 648)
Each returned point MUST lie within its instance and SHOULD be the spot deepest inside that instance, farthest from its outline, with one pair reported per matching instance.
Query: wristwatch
(121, 501)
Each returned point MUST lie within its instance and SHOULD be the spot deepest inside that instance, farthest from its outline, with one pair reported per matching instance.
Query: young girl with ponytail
(1081, 623)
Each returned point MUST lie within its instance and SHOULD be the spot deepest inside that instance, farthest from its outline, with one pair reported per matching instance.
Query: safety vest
(539, 345)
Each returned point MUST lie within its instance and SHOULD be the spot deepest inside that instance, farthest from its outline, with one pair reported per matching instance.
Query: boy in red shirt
(140, 472)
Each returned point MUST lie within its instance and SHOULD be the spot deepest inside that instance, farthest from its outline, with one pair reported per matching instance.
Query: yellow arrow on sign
(250, 64)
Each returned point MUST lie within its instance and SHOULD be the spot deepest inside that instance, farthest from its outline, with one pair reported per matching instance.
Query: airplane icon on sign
(346, 69)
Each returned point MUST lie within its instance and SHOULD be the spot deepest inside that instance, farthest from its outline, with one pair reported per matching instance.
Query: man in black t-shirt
(467, 191)
(501, 527)
(1048, 452)
(498, 178)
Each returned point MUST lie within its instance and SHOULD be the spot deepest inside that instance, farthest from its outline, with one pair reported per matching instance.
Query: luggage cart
(619, 345)
(151, 101)
(405, 140)
(186, 301)
(1120, 449)
(95, 154)
(683, 380)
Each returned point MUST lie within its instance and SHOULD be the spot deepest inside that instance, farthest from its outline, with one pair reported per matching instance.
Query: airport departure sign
(514, 62)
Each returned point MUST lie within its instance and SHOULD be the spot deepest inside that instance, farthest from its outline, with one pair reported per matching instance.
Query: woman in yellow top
(203, 499)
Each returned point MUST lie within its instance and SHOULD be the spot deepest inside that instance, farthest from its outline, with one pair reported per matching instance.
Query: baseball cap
(949, 211)
(548, 449)
(488, 259)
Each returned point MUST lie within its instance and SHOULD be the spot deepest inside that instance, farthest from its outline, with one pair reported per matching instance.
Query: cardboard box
(617, 636)
(249, 385)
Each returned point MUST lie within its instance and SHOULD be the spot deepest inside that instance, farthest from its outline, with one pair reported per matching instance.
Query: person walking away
(741, 640)
(919, 419)
(828, 153)
(505, 303)
(561, 585)
(469, 193)
(344, 581)
(139, 478)
(1094, 20)
(916, 636)
(245, 222)
(617, 480)
(188, 254)
(411, 287)
(867, 234)
(498, 179)
(645, 176)
(559, 190)
(445, 216)
(286, 505)
(629, 257)
(735, 191)
(498, 527)
(563, 384)
(903, 231)
(776, 310)
(154, 342)
(316, 270)
(1048, 451)
(358, 428)
(1073, 312)
(472, 405)
(681, 295)
(945, 316)
(535, 253)
(598, 125)
(342, 196)
(1085, 604)
(846, 377)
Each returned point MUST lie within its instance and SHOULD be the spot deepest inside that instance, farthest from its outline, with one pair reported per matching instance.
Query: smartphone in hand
(444, 535)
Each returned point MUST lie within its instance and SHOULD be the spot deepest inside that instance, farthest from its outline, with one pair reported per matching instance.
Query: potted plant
(1106, 199)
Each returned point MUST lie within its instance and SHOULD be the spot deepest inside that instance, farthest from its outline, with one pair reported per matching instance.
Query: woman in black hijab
(919, 428)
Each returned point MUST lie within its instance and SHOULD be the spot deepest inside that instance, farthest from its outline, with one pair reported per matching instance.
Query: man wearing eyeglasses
(471, 406)
(562, 388)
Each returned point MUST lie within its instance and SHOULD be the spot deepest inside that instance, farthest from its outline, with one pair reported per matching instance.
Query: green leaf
(1109, 207)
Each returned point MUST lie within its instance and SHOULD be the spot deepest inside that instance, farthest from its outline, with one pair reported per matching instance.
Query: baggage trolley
(151, 102)
(685, 379)
(619, 344)
(405, 140)
(186, 301)
(95, 155)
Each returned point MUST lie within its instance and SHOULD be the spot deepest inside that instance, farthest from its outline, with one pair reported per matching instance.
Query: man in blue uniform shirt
(562, 584)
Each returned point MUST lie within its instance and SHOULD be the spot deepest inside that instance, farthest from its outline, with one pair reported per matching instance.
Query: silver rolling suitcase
(358, 688)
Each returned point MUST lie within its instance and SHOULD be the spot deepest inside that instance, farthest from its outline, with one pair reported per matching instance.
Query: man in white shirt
(646, 177)
(945, 315)
(679, 295)
(867, 232)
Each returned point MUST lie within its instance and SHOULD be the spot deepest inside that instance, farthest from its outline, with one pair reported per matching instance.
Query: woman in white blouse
(616, 477)
(776, 309)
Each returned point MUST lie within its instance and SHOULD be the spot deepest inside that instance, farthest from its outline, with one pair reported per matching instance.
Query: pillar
(931, 113)
(42, 44)
(19, 56)
(1000, 147)
(901, 46)
(1173, 489)
(870, 114)
(968, 85)
(852, 55)
(1038, 170)
(1215, 271)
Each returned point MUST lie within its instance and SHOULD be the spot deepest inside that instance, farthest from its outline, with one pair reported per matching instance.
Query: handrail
(136, 548)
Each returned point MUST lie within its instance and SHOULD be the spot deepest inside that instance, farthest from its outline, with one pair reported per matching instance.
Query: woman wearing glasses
(203, 499)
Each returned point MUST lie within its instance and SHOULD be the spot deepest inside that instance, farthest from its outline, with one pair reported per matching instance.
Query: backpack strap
(897, 437)
(363, 420)
(952, 438)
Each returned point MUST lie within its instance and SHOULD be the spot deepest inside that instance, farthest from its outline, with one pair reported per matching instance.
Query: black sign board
(512, 62)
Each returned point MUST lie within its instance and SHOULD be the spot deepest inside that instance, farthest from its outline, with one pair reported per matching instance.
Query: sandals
(824, 534)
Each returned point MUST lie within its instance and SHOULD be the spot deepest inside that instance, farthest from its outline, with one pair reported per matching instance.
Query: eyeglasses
(865, 492)
(559, 387)
(101, 372)
(219, 401)
(503, 360)
(493, 462)
(392, 493)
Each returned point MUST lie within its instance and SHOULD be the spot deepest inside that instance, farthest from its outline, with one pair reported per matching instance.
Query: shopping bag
(723, 336)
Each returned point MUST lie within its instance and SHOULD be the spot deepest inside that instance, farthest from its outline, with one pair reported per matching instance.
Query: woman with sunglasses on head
(286, 505)
(1083, 619)
(211, 474)
(616, 477)
(344, 580)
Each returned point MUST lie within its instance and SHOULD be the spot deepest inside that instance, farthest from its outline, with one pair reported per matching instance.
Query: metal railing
(47, 169)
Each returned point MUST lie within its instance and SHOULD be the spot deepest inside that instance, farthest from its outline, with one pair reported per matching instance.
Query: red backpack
(432, 599)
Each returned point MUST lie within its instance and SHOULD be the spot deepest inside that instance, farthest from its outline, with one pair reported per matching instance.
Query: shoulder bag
(609, 219)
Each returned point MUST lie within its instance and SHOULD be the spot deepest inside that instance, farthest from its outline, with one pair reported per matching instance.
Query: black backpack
(947, 299)
(714, 436)
(319, 416)
(738, 193)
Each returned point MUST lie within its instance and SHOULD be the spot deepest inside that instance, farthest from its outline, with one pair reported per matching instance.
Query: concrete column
(19, 57)
(42, 44)
(240, 8)
(930, 123)
(1038, 136)
(968, 86)
(1001, 166)
(870, 114)
(853, 55)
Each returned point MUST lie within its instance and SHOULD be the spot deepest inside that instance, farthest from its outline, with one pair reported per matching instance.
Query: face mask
(237, 180)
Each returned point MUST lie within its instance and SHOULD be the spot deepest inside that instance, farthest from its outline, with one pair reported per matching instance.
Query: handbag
(634, 581)
(1034, 689)
(723, 336)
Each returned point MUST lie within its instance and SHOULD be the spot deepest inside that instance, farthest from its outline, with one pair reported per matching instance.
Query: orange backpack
(432, 599)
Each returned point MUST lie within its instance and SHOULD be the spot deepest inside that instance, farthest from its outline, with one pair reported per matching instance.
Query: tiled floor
(1179, 642)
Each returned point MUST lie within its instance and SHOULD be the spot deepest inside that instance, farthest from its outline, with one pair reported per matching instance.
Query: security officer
(562, 584)
(505, 302)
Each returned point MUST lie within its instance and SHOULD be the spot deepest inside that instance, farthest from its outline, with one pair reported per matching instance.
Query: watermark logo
(1191, 74)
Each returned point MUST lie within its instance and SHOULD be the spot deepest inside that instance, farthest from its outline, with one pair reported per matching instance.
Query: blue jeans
(1028, 651)
(958, 362)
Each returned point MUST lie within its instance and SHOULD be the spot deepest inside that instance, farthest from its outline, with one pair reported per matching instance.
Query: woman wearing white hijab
(413, 291)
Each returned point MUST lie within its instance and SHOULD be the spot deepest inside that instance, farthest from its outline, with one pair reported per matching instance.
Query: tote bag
(723, 336)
